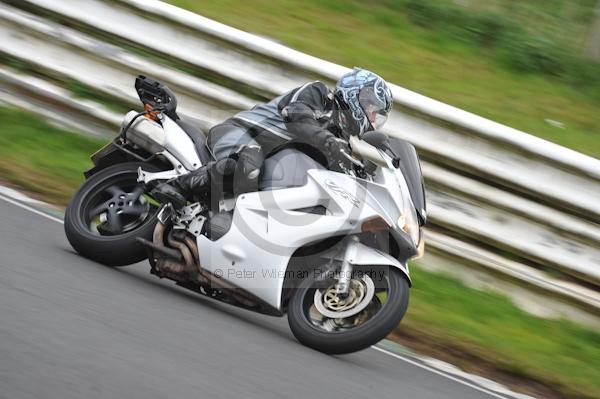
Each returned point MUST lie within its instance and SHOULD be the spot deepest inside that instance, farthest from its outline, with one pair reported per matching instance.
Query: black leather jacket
(293, 117)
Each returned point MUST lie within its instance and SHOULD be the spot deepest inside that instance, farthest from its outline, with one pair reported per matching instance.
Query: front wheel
(107, 214)
(376, 302)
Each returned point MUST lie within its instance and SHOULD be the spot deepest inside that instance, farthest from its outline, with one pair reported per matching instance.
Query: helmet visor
(375, 108)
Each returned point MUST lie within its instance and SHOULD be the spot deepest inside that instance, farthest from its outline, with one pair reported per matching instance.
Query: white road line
(31, 209)
(425, 367)
(385, 351)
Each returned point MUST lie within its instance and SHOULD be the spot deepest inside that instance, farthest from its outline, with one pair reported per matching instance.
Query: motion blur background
(509, 285)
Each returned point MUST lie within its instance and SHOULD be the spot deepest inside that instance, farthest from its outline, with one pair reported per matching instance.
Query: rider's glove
(336, 151)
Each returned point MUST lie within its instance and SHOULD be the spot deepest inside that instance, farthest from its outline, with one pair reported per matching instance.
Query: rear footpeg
(147, 177)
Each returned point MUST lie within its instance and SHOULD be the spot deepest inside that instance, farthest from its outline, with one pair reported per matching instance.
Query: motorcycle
(328, 249)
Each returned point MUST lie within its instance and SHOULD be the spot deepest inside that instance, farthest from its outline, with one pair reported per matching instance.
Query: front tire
(108, 213)
(348, 334)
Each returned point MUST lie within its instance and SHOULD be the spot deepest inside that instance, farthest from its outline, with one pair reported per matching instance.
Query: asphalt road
(71, 328)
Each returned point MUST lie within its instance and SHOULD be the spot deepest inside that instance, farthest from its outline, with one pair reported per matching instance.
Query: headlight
(408, 223)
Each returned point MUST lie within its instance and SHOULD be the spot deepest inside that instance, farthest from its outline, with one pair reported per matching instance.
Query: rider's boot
(196, 184)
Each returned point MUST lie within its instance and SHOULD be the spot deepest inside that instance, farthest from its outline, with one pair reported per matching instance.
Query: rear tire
(354, 338)
(116, 244)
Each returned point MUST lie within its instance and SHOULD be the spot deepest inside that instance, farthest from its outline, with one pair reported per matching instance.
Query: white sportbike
(329, 249)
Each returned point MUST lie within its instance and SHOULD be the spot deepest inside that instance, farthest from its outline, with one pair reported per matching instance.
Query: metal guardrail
(544, 188)
(474, 144)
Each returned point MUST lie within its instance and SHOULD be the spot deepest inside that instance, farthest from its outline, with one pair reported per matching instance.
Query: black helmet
(365, 101)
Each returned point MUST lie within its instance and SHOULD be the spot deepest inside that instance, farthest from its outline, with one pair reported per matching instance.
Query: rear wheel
(108, 212)
(322, 320)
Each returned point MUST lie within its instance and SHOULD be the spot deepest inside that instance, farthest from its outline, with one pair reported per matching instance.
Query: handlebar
(366, 151)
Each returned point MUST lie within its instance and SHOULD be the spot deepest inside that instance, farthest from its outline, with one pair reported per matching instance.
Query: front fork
(350, 252)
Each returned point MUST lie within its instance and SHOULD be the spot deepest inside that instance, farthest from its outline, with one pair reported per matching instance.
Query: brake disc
(330, 305)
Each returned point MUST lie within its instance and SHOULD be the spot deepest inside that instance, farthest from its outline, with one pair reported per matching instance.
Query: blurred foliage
(562, 21)
(520, 48)
(43, 159)
(471, 67)
(558, 353)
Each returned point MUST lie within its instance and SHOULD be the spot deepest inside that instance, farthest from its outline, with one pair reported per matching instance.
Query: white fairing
(266, 229)
(269, 226)
(369, 256)
(179, 144)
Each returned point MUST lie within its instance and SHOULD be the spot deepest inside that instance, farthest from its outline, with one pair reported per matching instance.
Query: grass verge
(42, 159)
(485, 333)
(478, 331)
(425, 60)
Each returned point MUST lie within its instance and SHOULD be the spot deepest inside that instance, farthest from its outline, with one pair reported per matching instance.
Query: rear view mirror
(376, 139)
(380, 141)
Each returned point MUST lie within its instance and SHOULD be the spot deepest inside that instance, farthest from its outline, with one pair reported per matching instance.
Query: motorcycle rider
(312, 116)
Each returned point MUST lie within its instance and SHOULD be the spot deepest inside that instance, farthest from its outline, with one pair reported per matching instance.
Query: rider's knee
(249, 164)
